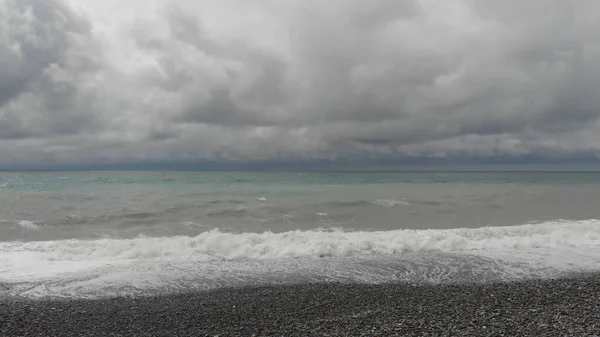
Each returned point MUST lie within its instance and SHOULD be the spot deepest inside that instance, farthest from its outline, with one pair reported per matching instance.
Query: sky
(203, 83)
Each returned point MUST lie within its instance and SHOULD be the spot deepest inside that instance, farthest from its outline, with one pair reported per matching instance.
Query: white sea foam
(190, 224)
(559, 245)
(391, 202)
(26, 224)
(295, 244)
(268, 245)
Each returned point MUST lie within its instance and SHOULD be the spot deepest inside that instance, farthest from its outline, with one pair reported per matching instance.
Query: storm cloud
(231, 81)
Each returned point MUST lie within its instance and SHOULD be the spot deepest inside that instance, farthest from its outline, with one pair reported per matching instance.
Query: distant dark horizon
(425, 165)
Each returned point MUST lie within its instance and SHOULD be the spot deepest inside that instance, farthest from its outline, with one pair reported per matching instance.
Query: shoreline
(546, 307)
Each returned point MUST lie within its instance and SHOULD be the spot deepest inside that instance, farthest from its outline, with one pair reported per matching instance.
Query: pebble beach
(568, 306)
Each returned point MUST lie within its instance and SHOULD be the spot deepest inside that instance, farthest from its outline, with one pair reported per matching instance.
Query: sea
(118, 233)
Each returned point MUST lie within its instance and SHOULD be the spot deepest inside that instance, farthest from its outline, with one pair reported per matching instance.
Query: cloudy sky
(145, 82)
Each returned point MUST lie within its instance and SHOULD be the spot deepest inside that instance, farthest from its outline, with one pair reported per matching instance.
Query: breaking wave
(215, 244)
(391, 202)
(26, 224)
(44, 261)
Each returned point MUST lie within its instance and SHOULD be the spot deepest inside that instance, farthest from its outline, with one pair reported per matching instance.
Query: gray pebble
(561, 307)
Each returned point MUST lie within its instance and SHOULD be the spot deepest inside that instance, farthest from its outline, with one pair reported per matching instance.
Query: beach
(296, 168)
(568, 306)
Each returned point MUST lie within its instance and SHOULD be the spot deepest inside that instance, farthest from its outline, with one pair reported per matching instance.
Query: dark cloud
(46, 74)
(301, 81)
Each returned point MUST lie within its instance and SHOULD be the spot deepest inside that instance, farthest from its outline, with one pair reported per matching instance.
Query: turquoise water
(61, 180)
(128, 204)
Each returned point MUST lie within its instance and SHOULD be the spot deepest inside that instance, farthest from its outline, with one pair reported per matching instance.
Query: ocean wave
(391, 202)
(343, 204)
(26, 224)
(216, 244)
(213, 258)
(367, 203)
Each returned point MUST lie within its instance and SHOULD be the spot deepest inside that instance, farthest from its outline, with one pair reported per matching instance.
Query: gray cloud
(304, 81)
(47, 69)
